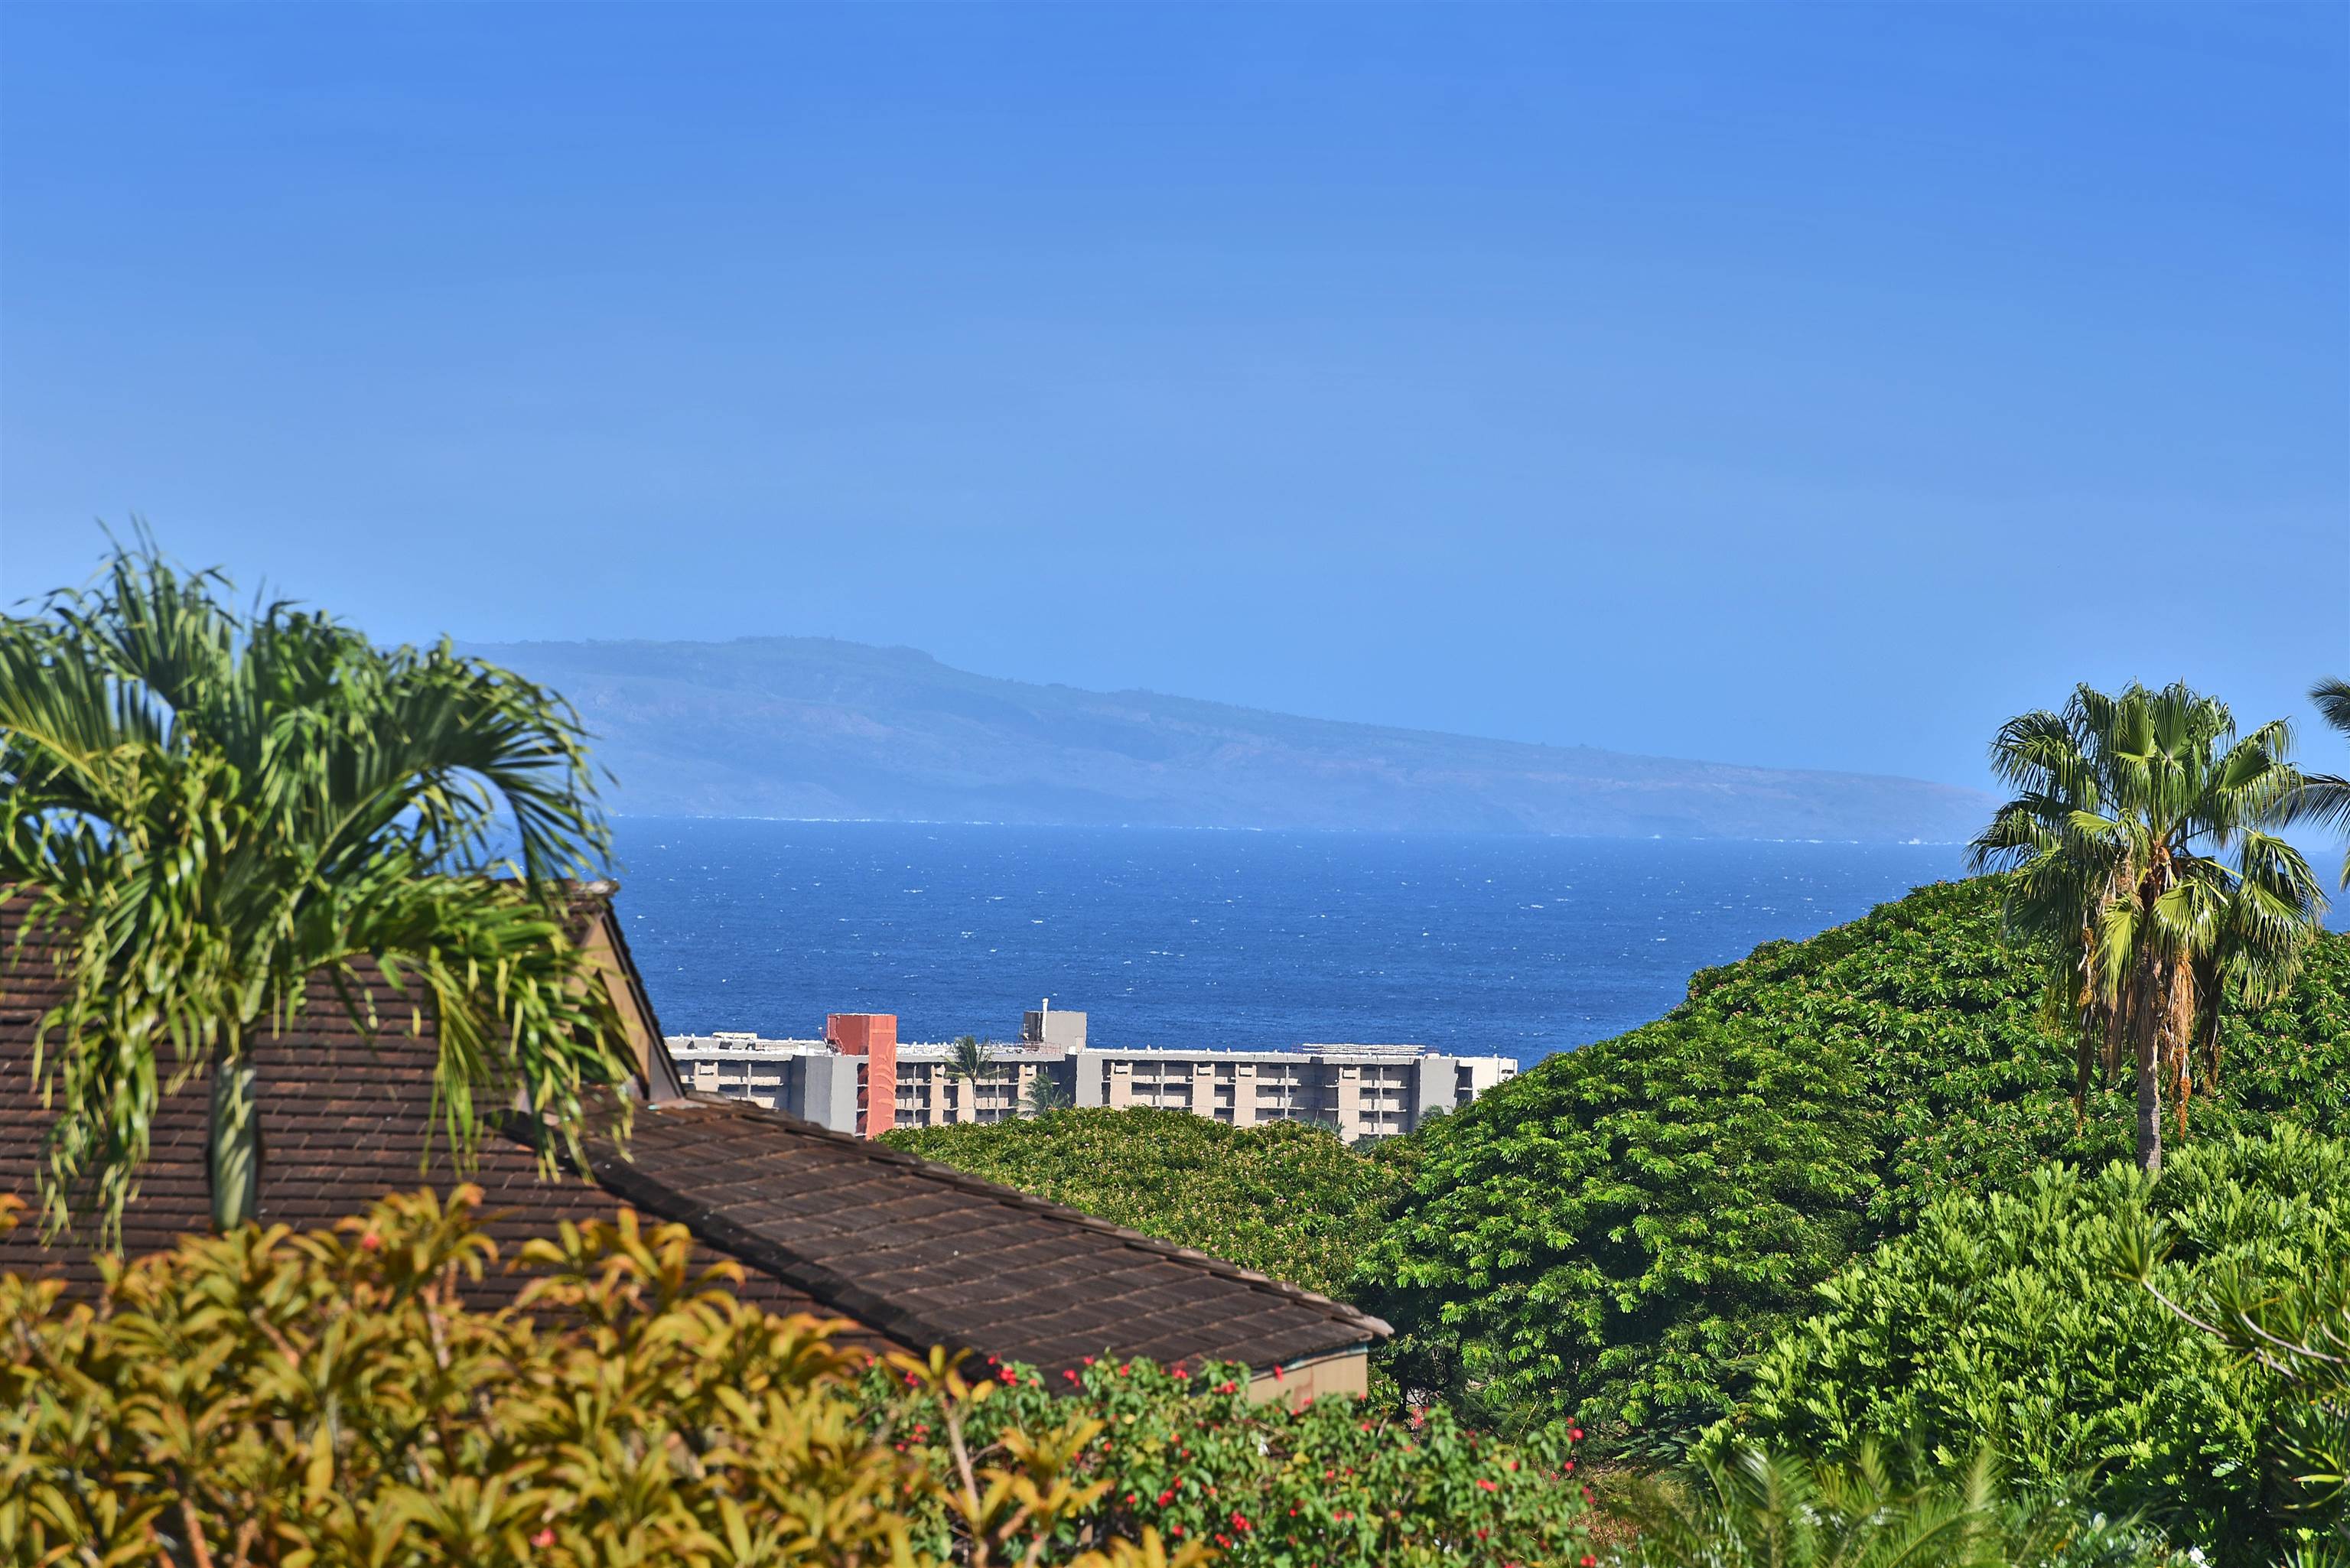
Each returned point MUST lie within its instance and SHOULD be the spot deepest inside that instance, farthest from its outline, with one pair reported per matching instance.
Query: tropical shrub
(1287, 1200)
(1197, 1457)
(1747, 1506)
(2006, 1320)
(2297, 1329)
(328, 1399)
(1614, 1236)
(209, 810)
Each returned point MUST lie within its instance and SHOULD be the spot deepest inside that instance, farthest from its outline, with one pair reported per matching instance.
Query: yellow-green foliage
(326, 1399)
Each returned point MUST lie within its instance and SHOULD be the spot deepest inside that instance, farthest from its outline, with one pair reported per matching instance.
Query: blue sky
(1803, 386)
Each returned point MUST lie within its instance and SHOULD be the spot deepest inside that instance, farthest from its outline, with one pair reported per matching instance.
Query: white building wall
(1356, 1091)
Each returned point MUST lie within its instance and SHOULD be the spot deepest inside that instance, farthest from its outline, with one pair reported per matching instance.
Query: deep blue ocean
(1511, 945)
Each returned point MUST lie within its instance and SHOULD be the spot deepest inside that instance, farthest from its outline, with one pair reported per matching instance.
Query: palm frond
(212, 807)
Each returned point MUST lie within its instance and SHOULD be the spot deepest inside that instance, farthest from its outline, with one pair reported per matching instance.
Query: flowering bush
(1197, 1458)
(327, 1401)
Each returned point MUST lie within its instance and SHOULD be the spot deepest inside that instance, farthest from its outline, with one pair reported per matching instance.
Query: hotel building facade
(1357, 1091)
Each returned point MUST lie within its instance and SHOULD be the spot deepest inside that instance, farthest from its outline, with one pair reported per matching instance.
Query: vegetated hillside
(2004, 1319)
(809, 727)
(1288, 1200)
(1616, 1235)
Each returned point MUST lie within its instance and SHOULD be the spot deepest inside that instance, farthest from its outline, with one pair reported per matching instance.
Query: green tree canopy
(2006, 1318)
(1614, 1236)
(210, 809)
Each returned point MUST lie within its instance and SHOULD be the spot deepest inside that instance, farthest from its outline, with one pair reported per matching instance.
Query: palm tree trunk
(234, 1151)
(2178, 1039)
(2147, 1013)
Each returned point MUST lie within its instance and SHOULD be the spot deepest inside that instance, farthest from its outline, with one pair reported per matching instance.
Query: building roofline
(837, 1291)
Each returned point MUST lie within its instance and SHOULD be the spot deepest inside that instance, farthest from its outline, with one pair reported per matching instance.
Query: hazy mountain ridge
(811, 727)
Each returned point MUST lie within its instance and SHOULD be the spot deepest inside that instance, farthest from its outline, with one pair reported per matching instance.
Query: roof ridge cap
(962, 1181)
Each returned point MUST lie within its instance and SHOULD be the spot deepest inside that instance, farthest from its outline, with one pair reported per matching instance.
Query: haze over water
(1515, 945)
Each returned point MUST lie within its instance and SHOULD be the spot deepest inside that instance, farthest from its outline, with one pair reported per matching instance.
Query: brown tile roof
(930, 1255)
(916, 1253)
(342, 1123)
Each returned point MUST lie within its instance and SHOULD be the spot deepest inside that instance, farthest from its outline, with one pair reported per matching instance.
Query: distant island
(817, 728)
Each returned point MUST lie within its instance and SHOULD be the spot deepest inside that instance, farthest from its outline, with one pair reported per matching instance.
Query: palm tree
(967, 1059)
(2125, 807)
(207, 809)
(1748, 1507)
(2325, 797)
(1045, 1095)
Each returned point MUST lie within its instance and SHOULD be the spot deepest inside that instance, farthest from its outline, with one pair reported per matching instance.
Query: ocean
(1475, 944)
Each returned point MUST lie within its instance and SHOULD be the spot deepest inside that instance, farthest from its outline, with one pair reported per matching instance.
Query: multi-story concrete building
(806, 1077)
(930, 1095)
(840, 1081)
(834, 1081)
(1356, 1091)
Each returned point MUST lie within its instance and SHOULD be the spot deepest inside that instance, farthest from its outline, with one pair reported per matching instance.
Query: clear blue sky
(1809, 386)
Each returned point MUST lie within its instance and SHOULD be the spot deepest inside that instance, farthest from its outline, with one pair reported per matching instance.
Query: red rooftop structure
(874, 1036)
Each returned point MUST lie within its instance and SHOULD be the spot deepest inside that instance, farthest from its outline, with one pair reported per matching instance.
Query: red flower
(1575, 1434)
(543, 1539)
(1485, 1485)
(370, 1241)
